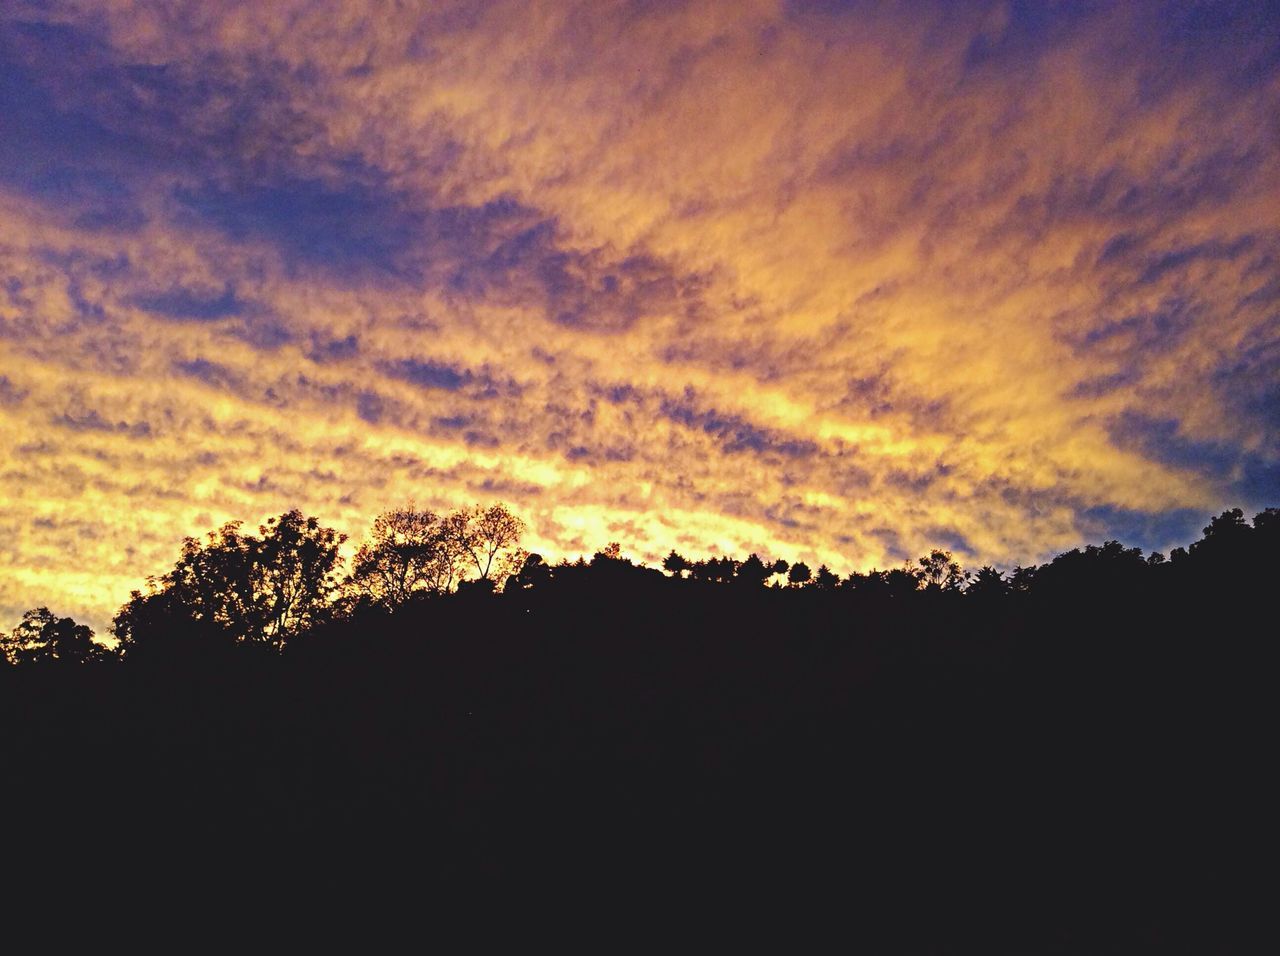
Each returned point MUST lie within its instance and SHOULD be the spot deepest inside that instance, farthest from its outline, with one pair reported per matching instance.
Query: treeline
(269, 589)
(1070, 758)
(266, 589)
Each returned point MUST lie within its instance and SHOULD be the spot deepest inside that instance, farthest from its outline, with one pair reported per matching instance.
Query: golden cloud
(837, 285)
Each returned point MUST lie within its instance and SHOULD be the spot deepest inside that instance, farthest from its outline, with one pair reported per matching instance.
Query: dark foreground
(1077, 774)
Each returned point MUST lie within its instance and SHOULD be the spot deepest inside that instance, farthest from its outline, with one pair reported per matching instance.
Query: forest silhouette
(1059, 758)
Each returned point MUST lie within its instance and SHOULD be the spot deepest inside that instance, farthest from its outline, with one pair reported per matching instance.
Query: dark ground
(1079, 772)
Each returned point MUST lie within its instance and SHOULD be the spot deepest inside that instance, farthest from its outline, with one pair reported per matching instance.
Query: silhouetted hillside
(1068, 759)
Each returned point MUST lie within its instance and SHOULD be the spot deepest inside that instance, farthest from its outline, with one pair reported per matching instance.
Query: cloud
(181, 304)
(1147, 530)
(10, 394)
(732, 433)
(92, 420)
(1243, 475)
(836, 281)
(212, 373)
(343, 228)
(429, 374)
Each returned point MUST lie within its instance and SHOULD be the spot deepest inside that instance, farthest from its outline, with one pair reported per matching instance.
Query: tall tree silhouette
(491, 538)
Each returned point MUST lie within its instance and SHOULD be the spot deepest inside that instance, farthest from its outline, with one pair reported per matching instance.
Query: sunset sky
(827, 281)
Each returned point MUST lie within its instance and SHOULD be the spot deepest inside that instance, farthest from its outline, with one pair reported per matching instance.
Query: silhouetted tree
(753, 572)
(44, 638)
(940, 571)
(453, 560)
(1022, 578)
(1224, 549)
(675, 564)
(883, 585)
(1110, 567)
(258, 590)
(901, 582)
(1228, 527)
(715, 570)
(294, 573)
(799, 574)
(408, 551)
(1265, 540)
(826, 579)
(533, 573)
(987, 583)
(491, 537)
(610, 552)
(156, 623)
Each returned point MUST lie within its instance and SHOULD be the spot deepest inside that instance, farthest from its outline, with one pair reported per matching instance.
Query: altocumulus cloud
(836, 281)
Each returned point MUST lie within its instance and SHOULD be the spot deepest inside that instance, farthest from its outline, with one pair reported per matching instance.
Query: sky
(828, 281)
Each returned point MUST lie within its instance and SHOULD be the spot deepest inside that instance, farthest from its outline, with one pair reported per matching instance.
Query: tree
(1224, 538)
(246, 589)
(716, 570)
(940, 571)
(408, 552)
(675, 564)
(452, 558)
(1111, 568)
(43, 637)
(610, 552)
(896, 583)
(157, 622)
(294, 574)
(987, 583)
(753, 572)
(491, 538)
(1228, 524)
(799, 574)
(533, 573)
(826, 579)
(1022, 578)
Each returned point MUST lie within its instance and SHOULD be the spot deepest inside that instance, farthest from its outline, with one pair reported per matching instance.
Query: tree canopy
(262, 589)
(44, 638)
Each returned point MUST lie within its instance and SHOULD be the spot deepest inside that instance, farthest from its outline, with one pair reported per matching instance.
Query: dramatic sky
(832, 281)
